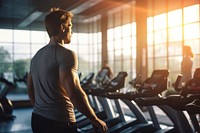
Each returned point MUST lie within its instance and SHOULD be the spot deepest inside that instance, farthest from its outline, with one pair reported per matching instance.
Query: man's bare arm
(30, 89)
(70, 81)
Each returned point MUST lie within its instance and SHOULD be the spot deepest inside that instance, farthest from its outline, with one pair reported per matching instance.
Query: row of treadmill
(182, 108)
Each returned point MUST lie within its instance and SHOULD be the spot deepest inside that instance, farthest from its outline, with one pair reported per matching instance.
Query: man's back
(51, 98)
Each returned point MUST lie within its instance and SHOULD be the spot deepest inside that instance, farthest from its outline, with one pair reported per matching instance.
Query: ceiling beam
(30, 18)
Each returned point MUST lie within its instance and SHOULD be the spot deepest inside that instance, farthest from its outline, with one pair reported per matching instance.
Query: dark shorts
(40, 124)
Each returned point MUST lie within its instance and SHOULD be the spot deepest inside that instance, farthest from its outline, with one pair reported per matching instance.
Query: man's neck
(56, 40)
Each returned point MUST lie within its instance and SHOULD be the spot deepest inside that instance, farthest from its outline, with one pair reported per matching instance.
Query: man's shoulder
(64, 50)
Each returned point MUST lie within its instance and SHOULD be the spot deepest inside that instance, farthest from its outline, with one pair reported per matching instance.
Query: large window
(17, 47)
(88, 49)
(121, 40)
(168, 33)
(88, 46)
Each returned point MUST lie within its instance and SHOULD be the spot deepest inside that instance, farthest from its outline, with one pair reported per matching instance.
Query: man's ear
(64, 28)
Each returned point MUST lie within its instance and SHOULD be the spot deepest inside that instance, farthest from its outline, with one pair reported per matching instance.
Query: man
(53, 83)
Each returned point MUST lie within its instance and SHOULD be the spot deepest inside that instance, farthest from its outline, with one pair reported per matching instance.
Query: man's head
(58, 23)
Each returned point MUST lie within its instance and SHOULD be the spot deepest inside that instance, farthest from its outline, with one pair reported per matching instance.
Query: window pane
(126, 65)
(191, 14)
(126, 43)
(21, 48)
(133, 53)
(117, 67)
(110, 34)
(126, 30)
(118, 32)
(6, 35)
(21, 67)
(35, 48)
(118, 54)
(160, 21)
(160, 36)
(160, 50)
(111, 56)
(150, 38)
(72, 46)
(5, 57)
(83, 49)
(110, 46)
(21, 56)
(133, 41)
(126, 53)
(118, 44)
(6, 48)
(85, 58)
(84, 67)
(38, 37)
(175, 63)
(175, 18)
(133, 28)
(133, 68)
(175, 48)
(159, 65)
(99, 37)
(175, 34)
(150, 51)
(191, 31)
(22, 36)
(149, 24)
(74, 38)
(150, 65)
(83, 38)
(47, 38)
(194, 44)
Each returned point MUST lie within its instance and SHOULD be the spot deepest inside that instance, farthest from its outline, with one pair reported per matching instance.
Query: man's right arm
(70, 80)
(30, 89)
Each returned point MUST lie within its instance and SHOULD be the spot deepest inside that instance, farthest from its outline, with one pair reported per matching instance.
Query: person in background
(53, 83)
(110, 72)
(186, 64)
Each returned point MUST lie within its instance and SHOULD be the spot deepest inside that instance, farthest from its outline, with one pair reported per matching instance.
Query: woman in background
(186, 64)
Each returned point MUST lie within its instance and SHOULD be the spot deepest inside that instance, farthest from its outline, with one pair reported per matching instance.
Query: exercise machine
(177, 103)
(152, 86)
(115, 84)
(6, 107)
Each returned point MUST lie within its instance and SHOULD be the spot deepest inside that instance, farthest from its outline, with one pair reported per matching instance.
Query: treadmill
(193, 110)
(157, 82)
(152, 86)
(100, 80)
(6, 107)
(175, 104)
(115, 84)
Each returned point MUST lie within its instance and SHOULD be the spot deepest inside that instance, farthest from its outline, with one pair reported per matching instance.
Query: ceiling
(29, 14)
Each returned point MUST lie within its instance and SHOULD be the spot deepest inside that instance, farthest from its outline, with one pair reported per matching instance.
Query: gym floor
(21, 123)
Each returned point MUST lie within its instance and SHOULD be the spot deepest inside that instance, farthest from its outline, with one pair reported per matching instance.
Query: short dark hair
(54, 19)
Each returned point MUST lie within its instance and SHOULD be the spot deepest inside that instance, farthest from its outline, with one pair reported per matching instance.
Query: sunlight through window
(160, 21)
(191, 14)
(175, 18)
